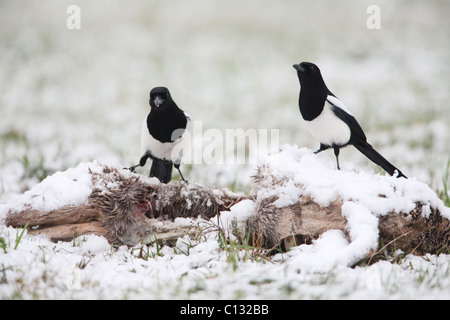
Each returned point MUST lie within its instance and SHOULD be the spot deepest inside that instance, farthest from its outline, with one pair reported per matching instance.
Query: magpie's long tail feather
(161, 169)
(366, 149)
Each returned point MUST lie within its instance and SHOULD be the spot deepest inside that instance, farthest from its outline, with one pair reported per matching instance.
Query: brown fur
(306, 220)
(413, 233)
(126, 210)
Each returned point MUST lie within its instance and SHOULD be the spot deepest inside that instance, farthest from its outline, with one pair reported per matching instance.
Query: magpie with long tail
(329, 121)
(162, 133)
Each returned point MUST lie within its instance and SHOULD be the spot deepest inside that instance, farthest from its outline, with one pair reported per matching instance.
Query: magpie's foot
(183, 179)
(132, 168)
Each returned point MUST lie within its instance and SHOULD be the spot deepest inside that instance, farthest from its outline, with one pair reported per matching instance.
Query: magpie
(329, 121)
(162, 131)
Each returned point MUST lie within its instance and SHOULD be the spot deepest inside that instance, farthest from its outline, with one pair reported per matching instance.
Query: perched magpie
(329, 121)
(162, 131)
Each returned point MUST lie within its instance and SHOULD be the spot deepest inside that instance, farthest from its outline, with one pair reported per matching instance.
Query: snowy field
(79, 96)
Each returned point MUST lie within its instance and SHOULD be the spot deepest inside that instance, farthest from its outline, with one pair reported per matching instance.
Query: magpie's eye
(161, 95)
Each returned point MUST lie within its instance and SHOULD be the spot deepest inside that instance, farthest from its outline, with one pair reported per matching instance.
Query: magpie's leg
(141, 163)
(177, 166)
(322, 148)
(336, 153)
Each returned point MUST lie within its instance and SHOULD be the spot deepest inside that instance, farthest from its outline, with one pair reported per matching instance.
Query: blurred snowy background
(71, 96)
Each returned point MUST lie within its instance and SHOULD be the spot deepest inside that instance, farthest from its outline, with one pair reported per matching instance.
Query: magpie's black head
(310, 77)
(307, 70)
(160, 98)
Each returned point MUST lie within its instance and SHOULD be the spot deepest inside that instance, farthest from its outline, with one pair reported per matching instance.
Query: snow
(236, 218)
(309, 174)
(69, 188)
(90, 268)
(365, 197)
(75, 99)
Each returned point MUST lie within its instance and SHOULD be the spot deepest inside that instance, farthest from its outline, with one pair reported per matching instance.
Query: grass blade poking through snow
(19, 237)
(3, 244)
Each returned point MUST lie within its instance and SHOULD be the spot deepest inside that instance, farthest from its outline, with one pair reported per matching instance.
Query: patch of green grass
(19, 236)
(36, 170)
(241, 250)
(77, 241)
(147, 252)
(13, 136)
(188, 243)
(3, 244)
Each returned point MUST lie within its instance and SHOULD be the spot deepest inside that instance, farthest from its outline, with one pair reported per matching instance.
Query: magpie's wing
(189, 124)
(344, 114)
(183, 141)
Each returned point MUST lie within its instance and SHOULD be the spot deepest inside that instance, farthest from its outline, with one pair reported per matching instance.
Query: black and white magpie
(163, 130)
(329, 121)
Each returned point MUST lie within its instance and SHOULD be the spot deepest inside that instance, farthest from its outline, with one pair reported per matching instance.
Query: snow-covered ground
(75, 96)
(89, 267)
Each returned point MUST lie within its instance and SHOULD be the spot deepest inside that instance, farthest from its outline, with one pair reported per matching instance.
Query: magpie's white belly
(156, 148)
(328, 128)
(165, 150)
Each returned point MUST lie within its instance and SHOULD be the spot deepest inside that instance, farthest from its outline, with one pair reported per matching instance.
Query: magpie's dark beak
(299, 68)
(158, 101)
